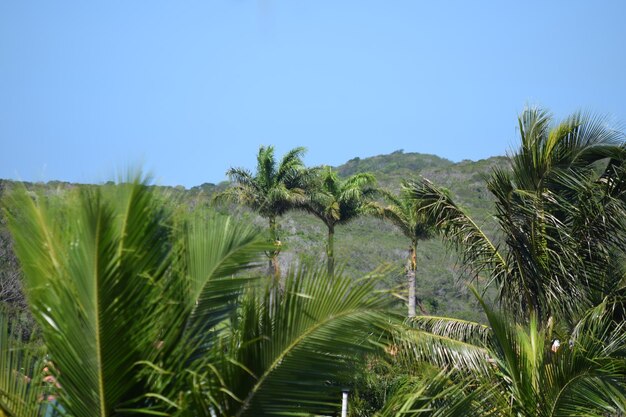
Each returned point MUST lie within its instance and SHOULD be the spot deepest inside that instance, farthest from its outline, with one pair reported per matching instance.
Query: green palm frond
(393, 213)
(457, 329)
(521, 369)
(22, 390)
(241, 176)
(478, 252)
(214, 249)
(435, 395)
(212, 253)
(360, 181)
(93, 267)
(290, 164)
(446, 343)
(288, 345)
(584, 376)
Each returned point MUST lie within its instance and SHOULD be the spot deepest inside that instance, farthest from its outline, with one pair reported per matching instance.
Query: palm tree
(519, 369)
(403, 211)
(282, 352)
(113, 289)
(273, 190)
(335, 201)
(140, 313)
(558, 211)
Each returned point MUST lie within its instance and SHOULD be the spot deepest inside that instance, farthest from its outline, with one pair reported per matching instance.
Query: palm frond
(290, 165)
(289, 344)
(215, 249)
(92, 268)
(457, 329)
(583, 376)
(22, 390)
(478, 253)
(444, 347)
(434, 395)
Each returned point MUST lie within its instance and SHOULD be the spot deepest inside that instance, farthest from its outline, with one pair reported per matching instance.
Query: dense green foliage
(275, 188)
(147, 302)
(336, 202)
(366, 242)
(144, 311)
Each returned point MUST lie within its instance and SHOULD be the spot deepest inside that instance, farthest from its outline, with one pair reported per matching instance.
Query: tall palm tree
(275, 188)
(403, 211)
(559, 212)
(335, 202)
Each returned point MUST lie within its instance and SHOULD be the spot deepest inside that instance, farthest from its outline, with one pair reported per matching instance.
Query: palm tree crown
(335, 201)
(273, 190)
(403, 211)
(559, 211)
(510, 369)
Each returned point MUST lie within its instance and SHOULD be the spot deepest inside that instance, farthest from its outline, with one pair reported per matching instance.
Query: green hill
(365, 244)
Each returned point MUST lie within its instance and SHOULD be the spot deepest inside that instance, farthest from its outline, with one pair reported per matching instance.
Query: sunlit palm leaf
(444, 342)
(434, 395)
(478, 252)
(288, 345)
(92, 268)
(584, 377)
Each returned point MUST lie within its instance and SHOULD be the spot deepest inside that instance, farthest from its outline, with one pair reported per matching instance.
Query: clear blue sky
(189, 88)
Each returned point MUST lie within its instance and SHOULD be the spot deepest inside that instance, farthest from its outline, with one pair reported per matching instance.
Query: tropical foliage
(275, 188)
(145, 309)
(560, 212)
(18, 375)
(335, 201)
(140, 312)
(508, 369)
(403, 211)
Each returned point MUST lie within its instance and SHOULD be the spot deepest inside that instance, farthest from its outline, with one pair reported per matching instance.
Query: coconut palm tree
(403, 211)
(335, 202)
(519, 369)
(271, 191)
(559, 211)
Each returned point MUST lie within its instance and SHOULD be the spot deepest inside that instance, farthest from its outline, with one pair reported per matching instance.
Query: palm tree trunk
(410, 275)
(330, 250)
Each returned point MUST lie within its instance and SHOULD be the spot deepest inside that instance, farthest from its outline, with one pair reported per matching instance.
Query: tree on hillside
(335, 202)
(271, 191)
(403, 211)
(560, 211)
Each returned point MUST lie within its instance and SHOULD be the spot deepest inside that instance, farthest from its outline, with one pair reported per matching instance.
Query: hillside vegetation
(365, 244)
(146, 299)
